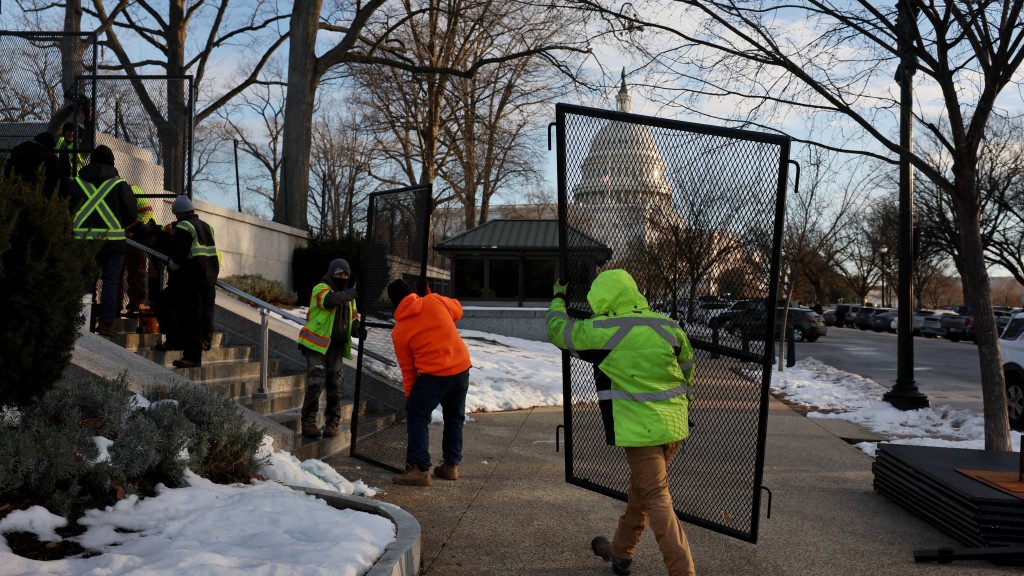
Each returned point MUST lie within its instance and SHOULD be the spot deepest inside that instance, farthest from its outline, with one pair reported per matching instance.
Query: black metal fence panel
(148, 122)
(31, 81)
(695, 214)
(397, 233)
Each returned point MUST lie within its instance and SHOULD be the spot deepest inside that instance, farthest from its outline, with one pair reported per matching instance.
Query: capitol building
(623, 198)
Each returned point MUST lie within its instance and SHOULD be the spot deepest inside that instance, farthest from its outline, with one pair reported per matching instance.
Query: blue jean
(427, 393)
(110, 278)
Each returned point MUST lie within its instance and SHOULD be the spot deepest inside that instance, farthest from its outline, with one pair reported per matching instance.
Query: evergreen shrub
(270, 291)
(309, 263)
(52, 456)
(42, 275)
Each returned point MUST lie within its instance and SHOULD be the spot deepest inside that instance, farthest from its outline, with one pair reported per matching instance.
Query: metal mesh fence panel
(692, 212)
(31, 91)
(397, 232)
(147, 121)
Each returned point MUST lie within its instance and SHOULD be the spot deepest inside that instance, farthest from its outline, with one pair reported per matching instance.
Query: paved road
(947, 372)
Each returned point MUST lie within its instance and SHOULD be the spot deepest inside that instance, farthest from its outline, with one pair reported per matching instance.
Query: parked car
(917, 319)
(728, 318)
(863, 318)
(931, 326)
(806, 324)
(708, 310)
(883, 321)
(829, 317)
(845, 314)
(1002, 319)
(1011, 344)
(956, 325)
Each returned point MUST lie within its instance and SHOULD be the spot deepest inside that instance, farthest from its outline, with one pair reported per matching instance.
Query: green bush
(310, 262)
(42, 273)
(50, 452)
(270, 291)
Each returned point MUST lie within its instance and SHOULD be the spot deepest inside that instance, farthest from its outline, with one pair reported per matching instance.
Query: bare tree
(256, 120)
(342, 163)
(836, 59)
(166, 32)
(368, 35)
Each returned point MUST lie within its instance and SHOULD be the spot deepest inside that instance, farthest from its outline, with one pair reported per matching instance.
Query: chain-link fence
(690, 211)
(32, 94)
(397, 233)
(227, 175)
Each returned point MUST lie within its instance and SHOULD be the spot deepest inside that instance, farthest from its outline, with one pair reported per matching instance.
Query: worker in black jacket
(35, 163)
(185, 307)
(103, 206)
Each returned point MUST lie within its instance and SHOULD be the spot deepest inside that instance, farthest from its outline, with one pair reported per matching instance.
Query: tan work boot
(310, 430)
(447, 471)
(412, 476)
(330, 431)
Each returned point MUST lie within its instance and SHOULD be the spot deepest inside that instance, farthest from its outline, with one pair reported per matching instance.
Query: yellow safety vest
(95, 202)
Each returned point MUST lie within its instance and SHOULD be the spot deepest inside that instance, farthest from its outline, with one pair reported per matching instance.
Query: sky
(265, 528)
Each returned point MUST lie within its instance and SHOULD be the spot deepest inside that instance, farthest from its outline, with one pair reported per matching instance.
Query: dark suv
(805, 323)
(863, 319)
(845, 313)
(735, 313)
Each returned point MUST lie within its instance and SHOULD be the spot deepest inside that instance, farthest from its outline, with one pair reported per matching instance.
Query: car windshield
(1014, 329)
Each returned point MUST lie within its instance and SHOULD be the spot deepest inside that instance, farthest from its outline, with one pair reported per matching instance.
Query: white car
(1011, 344)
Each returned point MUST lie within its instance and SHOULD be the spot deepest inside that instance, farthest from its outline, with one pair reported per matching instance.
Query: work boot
(447, 471)
(186, 363)
(413, 476)
(603, 549)
(330, 431)
(310, 430)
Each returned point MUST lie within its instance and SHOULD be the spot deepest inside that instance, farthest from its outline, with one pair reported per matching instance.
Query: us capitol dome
(623, 197)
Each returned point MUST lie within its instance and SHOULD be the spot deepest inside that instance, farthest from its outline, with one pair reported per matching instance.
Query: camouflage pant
(323, 374)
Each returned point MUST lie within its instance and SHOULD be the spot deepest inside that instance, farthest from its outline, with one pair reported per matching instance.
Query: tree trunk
(71, 48)
(978, 293)
(303, 78)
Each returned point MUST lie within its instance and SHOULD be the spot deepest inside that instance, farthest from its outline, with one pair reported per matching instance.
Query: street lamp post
(884, 251)
(905, 394)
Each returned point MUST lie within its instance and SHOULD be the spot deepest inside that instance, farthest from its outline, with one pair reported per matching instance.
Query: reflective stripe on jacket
(95, 203)
(644, 360)
(197, 250)
(316, 334)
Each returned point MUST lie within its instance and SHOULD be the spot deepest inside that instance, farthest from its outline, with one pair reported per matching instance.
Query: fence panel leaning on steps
(690, 211)
(397, 233)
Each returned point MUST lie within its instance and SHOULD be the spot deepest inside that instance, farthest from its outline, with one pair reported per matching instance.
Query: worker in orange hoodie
(435, 370)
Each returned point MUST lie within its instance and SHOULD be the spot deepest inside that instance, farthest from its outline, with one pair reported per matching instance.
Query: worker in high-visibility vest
(185, 306)
(103, 204)
(135, 278)
(68, 155)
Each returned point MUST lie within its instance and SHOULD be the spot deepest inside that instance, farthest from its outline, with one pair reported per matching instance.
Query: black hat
(46, 139)
(102, 155)
(398, 290)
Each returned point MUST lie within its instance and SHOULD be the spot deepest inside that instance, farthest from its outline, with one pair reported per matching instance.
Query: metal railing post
(264, 352)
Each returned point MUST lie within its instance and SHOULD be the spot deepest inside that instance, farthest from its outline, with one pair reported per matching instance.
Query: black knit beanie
(398, 290)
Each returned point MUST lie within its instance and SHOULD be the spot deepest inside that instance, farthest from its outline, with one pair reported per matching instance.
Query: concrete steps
(234, 371)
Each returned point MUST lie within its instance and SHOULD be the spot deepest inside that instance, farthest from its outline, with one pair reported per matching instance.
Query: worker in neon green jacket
(644, 380)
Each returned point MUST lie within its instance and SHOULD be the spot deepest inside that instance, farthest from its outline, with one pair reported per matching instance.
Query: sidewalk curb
(401, 557)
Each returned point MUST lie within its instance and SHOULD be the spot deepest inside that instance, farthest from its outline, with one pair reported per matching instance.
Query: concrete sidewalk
(512, 513)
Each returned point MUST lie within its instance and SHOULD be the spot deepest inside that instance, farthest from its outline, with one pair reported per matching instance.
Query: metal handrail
(265, 309)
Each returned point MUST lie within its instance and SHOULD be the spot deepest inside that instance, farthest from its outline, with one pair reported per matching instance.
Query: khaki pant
(650, 501)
